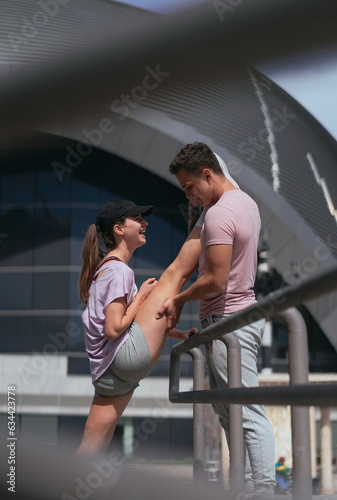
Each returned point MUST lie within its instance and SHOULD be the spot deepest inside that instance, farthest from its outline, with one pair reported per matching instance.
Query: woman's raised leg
(170, 284)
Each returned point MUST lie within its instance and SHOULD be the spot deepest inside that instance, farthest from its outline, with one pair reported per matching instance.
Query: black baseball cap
(116, 209)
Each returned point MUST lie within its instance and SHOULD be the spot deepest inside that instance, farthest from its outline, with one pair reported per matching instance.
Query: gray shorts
(131, 364)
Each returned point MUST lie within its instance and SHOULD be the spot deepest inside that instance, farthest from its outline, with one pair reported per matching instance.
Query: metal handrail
(274, 303)
(284, 298)
(299, 393)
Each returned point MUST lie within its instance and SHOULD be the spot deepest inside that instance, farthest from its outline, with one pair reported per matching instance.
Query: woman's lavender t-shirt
(118, 280)
(233, 220)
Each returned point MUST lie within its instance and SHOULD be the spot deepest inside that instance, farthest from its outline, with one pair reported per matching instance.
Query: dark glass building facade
(45, 213)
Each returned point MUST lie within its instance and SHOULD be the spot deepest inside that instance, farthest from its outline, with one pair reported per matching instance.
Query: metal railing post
(198, 408)
(300, 416)
(236, 442)
(198, 417)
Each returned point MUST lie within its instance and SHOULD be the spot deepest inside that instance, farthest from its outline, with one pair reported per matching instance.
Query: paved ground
(178, 472)
(184, 473)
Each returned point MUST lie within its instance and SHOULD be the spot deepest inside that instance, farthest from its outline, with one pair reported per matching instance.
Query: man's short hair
(194, 158)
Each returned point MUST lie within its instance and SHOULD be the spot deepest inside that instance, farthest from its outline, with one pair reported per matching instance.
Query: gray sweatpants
(258, 433)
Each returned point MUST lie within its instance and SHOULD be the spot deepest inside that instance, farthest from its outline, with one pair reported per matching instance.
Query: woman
(122, 335)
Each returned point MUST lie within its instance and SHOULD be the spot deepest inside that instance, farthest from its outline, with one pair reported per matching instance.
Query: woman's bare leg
(169, 285)
(155, 329)
(101, 423)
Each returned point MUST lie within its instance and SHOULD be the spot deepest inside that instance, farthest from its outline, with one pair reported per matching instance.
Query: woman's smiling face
(134, 230)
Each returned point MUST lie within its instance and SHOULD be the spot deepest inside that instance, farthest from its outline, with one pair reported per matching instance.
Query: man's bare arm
(212, 283)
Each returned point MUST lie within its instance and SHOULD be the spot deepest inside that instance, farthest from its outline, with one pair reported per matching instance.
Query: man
(225, 238)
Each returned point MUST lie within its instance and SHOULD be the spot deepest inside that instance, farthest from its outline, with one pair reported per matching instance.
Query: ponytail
(91, 257)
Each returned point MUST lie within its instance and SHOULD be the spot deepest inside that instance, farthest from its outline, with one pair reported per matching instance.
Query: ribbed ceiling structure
(35, 32)
(274, 148)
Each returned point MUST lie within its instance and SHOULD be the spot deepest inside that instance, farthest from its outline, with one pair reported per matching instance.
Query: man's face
(196, 186)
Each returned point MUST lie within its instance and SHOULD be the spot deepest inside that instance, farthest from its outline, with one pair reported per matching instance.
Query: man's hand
(193, 202)
(171, 309)
(194, 212)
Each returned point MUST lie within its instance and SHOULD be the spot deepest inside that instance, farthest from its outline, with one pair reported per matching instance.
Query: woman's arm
(119, 316)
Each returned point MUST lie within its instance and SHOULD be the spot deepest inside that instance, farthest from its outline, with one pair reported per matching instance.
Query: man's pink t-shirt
(233, 220)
